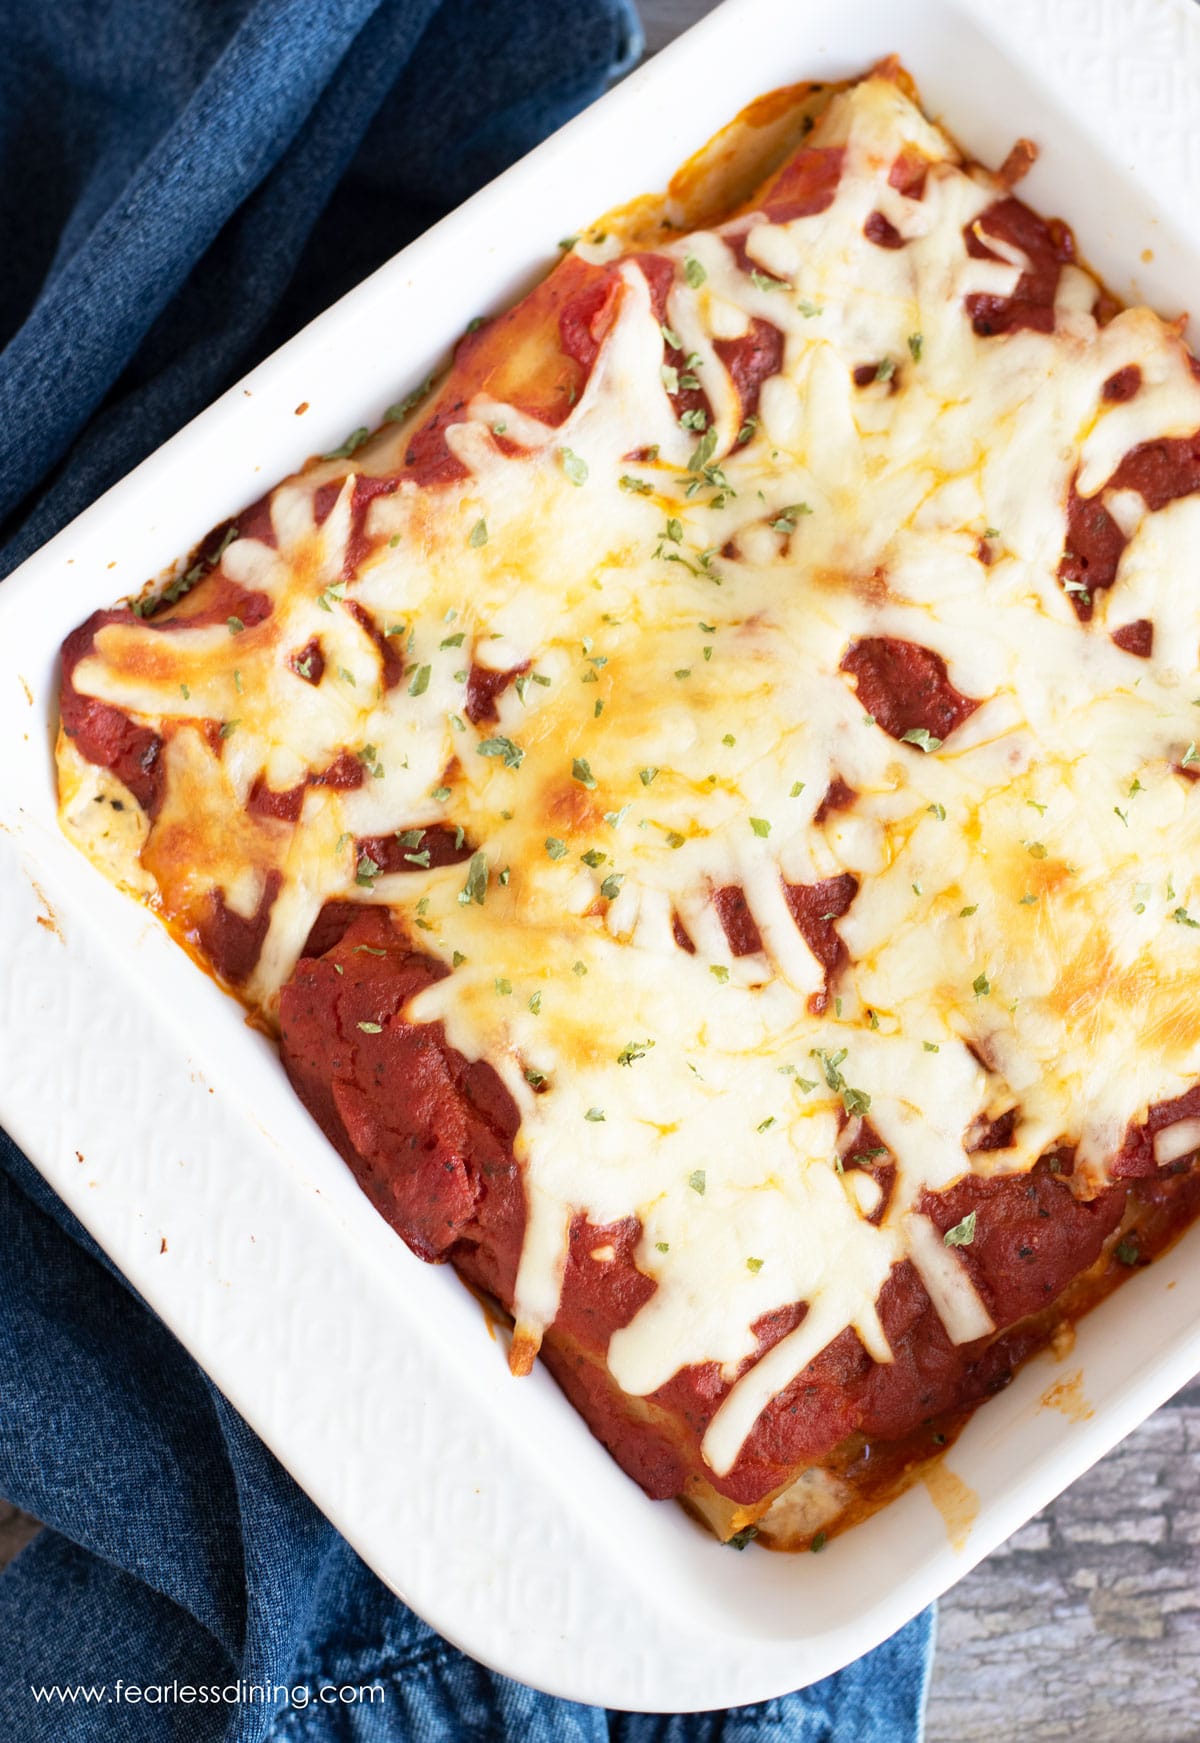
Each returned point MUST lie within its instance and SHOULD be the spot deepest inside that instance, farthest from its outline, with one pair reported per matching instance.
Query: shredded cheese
(1015, 939)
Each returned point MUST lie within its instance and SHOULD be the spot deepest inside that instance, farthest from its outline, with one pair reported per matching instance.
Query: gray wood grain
(665, 19)
(1086, 1624)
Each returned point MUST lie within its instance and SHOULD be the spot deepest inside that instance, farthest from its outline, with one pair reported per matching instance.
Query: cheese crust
(763, 680)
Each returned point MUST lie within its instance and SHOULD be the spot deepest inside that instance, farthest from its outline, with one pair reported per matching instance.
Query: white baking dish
(168, 1127)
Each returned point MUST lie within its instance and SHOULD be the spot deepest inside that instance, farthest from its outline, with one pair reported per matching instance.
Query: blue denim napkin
(183, 183)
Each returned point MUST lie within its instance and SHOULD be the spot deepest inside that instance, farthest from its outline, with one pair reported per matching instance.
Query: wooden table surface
(1086, 1625)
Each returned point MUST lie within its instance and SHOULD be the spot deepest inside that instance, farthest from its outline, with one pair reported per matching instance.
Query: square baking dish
(167, 1124)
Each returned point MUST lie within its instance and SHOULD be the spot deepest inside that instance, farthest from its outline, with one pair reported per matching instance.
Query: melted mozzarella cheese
(1021, 935)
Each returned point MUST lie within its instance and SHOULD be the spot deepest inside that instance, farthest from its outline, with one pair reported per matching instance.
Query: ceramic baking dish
(167, 1124)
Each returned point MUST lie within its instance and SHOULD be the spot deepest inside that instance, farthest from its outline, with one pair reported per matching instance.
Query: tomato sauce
(734, 914)
(309, 662)
(391, 661)
(219, 600)
(102, 734)
(1048, 245)
(415, 849)
(814, 908)
(804, 186)
(508, 358)
(231, 942)
(882, 232)
(751, 360)
(281, 805)
(906, 688)
(1136, 638)
(438, 1161)
(909, 172)
(1160, 472)
(484, 687)
(1135, 1159)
